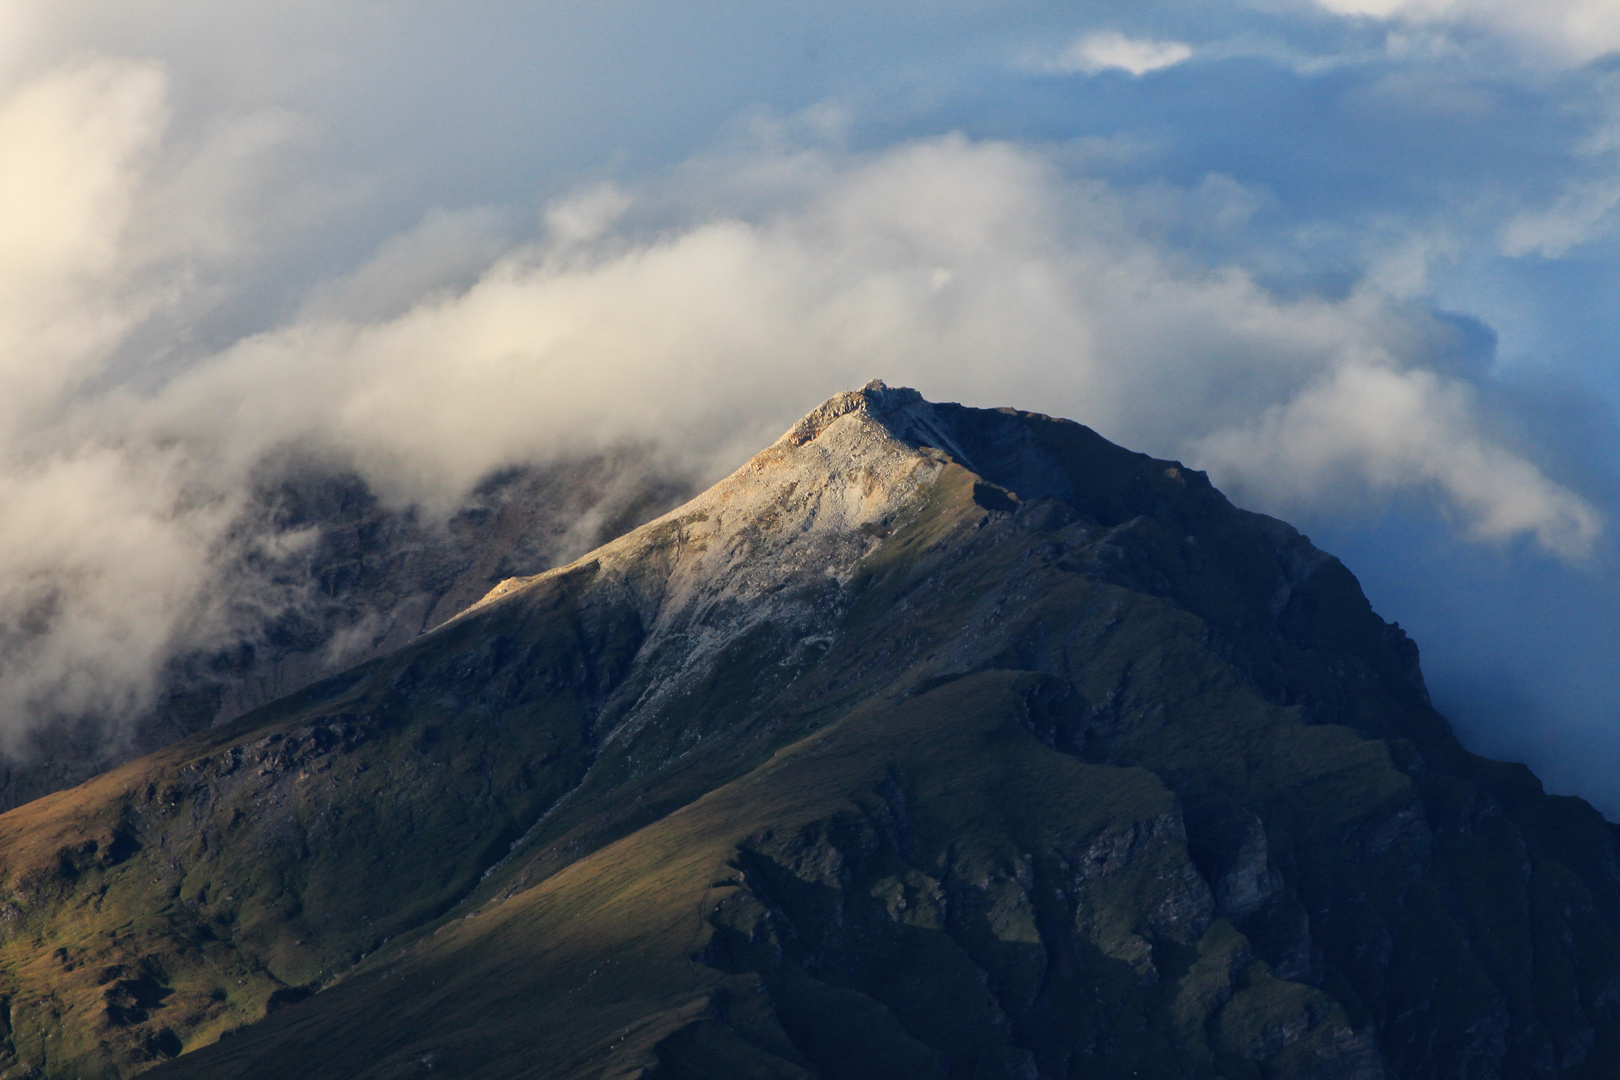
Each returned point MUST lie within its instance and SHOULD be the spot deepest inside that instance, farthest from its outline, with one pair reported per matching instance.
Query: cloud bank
(972, 269)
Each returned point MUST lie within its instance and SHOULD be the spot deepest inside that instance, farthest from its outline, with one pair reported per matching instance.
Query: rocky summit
(933, 742)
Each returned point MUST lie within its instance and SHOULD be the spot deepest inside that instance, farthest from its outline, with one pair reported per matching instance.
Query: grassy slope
(665, 949)
(167, 901)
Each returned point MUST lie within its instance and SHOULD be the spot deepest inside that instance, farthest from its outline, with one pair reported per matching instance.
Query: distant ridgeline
(366, 579)
(933, 742)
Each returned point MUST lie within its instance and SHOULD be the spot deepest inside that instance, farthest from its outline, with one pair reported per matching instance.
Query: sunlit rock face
(932, 742)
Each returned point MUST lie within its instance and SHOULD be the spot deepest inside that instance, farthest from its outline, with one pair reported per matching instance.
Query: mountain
(322, 575)
(934, 741)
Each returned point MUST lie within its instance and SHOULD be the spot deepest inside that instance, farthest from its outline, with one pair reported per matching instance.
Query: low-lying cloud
(1368, 423)
(975, 270)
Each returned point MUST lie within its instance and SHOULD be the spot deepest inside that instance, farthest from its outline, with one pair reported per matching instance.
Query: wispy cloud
(1111, 50)
(1368, 422)
(1584, 212)
(1567, 31)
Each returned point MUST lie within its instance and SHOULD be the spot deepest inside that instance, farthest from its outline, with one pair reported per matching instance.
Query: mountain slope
(323, 575)
(934, 741)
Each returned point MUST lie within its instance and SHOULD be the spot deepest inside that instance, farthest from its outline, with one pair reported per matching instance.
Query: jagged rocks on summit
(934, 741)
(769, 549)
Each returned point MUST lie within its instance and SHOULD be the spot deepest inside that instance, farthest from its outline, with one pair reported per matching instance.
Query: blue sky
(1358, 258)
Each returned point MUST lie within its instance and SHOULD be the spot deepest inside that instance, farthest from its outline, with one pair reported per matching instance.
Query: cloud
(587, 214)
(73, 144)
(1385, 9)
(1582, 213)
(98, 571)
(1367, 422)
(104, 570)
(970, 269)
(445, 251)
(1568, 31)
(18, 30)
(1111, 50)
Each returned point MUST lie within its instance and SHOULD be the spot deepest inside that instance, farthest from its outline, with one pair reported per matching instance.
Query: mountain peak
(814, 495)
(932, 741)
(777, 546)
(875, 399)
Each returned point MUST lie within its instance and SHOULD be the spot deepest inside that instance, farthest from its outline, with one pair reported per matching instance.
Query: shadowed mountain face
(323, 575)
(933, 742)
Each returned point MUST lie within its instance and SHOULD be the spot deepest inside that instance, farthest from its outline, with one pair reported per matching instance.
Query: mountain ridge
(321, 574)
(865, 762)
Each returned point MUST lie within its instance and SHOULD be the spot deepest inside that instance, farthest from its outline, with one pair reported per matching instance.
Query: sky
(1359, 259)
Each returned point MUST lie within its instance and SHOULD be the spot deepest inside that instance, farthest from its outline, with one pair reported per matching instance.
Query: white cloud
(73, 144)
(445, 252)
(970, 270)
(1367, 422)
(1111, 50)
(1586, 204)
(1583, 213)
(587, 214)
(1567, 31)
(101, 575)
(18, 30)
(1385, 9)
